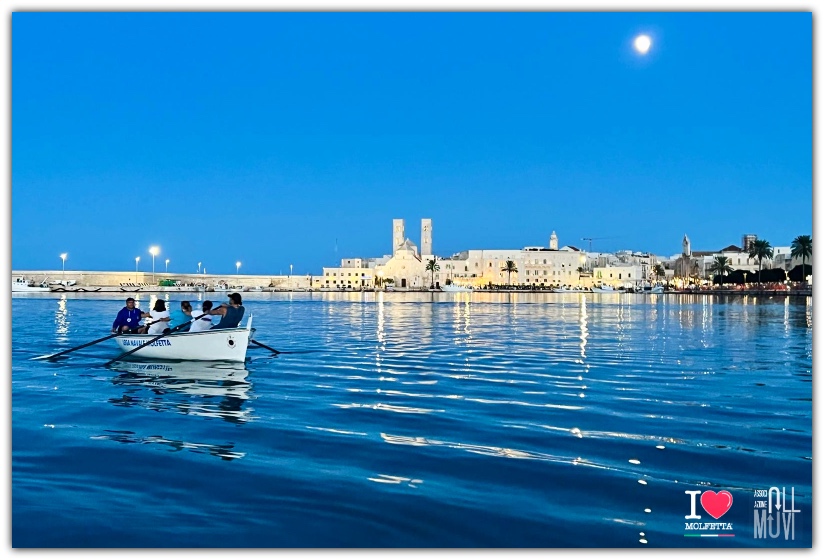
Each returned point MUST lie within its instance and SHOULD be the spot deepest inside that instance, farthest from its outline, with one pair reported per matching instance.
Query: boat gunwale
(178, 334)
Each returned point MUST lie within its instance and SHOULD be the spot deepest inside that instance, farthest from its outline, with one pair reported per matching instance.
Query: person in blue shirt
(180, 316)
(128, 318)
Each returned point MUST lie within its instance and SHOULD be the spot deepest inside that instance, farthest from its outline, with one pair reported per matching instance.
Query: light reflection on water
(458, 413)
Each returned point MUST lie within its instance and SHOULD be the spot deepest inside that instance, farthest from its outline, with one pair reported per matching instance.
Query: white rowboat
(228, 345)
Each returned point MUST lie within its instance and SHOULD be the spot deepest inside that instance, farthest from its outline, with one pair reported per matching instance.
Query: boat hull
(227, 345)
(28, 289)
(454, 288)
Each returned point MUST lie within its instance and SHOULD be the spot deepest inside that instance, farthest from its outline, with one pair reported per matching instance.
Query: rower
(230, 315)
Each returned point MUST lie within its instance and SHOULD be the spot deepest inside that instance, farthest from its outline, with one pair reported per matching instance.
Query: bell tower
(426, 236)
(397, 234)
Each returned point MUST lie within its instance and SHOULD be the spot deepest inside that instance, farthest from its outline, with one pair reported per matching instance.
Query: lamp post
(154, 251)
(136, 261)
(237, 265)
(290, 278)
(63, 257)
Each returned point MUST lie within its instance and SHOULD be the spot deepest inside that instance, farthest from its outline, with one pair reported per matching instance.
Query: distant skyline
(272, 138)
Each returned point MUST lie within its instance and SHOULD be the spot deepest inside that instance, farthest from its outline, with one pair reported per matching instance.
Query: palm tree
(802, 247)
(760, 249)
(721, 267)
(659, 271)
(509, 268)
(433, 267)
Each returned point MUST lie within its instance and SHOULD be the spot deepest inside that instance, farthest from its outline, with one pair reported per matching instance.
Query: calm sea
(422, 420)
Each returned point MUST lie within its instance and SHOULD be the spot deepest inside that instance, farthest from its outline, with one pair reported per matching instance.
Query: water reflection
(61, 320)
(224, 451)
(583, 323)
(809, 313)
(210, 389)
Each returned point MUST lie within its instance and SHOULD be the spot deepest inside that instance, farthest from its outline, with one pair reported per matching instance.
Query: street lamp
(136, 260)
(237, 265)
(167, 265)
(63, 256)
(154, 251)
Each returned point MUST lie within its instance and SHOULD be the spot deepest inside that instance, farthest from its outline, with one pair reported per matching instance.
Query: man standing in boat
(230, 315)
(128, 318)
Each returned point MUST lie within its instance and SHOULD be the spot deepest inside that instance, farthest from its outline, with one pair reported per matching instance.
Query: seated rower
(128, 319)
(160, 319)
(181, 316)
(204, 323)
(231, 314)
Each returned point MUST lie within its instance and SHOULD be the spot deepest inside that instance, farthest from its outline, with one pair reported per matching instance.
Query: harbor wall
(92, 278)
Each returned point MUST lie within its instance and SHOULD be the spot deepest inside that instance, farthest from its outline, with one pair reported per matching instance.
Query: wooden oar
(253, 341)
(158, 337)
(50, 356)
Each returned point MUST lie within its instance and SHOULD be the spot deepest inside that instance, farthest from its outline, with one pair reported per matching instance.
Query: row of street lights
(154, 251)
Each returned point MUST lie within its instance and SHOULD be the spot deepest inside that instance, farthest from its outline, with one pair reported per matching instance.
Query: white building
(345, 278)
(628, 275)
(406, 268)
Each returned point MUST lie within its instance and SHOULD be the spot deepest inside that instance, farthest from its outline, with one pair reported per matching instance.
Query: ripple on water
(514, 420)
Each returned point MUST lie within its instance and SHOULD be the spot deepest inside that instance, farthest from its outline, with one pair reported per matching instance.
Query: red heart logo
(716, 504)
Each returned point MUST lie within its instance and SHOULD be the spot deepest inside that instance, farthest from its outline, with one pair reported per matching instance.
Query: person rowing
(201, 321)
(128, 318)
(231, 314)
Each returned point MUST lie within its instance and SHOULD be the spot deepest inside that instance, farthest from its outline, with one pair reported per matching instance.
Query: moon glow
(642, 44)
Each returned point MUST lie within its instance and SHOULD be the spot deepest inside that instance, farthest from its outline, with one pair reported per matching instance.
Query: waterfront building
(405, 268)
(623, 276)
(345, 277)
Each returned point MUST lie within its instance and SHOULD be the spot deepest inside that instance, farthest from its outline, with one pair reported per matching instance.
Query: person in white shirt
(159, 318)
(205, 322)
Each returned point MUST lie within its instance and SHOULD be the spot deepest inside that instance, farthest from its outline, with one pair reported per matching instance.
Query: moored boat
(228, 345)
(606, 290)
(24, 285)
(455, 288)
(566, 290)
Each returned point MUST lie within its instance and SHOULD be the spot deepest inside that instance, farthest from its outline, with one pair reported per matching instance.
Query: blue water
(417, 420)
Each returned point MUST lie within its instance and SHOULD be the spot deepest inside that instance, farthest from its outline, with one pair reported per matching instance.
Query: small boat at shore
(455, 288)
(24, 285)
(606, 290)
(652, 290)
(224, 287)
(226, 345)
(565, 290)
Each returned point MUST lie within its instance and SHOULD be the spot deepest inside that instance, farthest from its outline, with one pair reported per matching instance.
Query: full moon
(643, 43)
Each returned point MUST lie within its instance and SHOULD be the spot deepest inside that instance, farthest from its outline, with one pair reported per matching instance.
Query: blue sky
(273, 138)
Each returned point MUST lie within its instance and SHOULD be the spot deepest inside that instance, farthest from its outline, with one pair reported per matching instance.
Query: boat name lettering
(139, 342)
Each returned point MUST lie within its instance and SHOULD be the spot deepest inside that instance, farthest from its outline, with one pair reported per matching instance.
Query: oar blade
(253, 341)
(43, 357)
